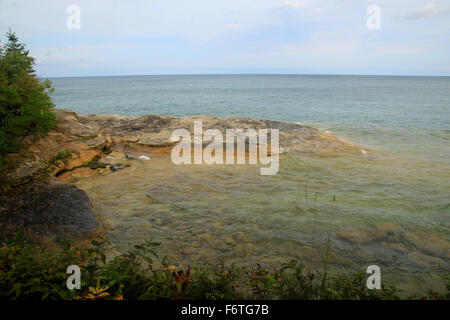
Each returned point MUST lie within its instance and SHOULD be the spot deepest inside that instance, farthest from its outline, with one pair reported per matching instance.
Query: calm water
(393, 211)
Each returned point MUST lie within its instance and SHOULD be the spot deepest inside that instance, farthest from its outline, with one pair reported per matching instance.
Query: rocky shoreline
(40, 197)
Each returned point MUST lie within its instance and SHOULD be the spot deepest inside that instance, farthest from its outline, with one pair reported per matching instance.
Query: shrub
(32, 271)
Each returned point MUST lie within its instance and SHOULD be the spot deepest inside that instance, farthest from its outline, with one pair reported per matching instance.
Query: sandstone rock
(362, 236)
(431, 242)
(70, 176)
(160, 139)
(156, 131)
(24, 172)
(95, 143)
(425, 260)
(389, 227)
(68, 121)
(398, 247)
(79, 158)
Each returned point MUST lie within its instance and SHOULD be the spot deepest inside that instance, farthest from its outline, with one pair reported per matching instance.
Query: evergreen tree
(25, 106)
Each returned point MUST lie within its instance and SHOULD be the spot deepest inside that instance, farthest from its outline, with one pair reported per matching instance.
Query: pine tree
(25, 106)
(19, 57)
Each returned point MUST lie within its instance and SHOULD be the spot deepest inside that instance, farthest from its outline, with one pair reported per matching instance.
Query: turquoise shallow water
(393, 210)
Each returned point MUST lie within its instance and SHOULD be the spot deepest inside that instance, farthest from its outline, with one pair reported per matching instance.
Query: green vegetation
(32, 271)
(25, 106)
(93, 163)
(64, 154)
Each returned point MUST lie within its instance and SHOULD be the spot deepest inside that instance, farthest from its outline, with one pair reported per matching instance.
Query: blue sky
(233, 36)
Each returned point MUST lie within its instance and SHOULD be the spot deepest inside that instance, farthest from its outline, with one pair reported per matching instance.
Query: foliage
(218, 283)
(64, 154)
(295, 281)
(32, 271)
(25, 106)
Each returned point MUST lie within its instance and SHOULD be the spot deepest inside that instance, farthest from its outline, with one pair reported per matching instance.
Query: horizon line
(250, 74)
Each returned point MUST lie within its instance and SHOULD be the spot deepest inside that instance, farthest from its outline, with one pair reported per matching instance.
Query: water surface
(393, 211)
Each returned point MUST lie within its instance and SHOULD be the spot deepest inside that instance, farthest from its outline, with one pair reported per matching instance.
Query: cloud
(77, 52)
(427, 11)
(296, 4)
(141, 36)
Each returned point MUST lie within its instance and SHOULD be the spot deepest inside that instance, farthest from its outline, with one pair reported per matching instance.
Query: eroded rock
(362, 236)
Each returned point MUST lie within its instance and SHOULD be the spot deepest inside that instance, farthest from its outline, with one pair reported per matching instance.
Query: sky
(144, 37)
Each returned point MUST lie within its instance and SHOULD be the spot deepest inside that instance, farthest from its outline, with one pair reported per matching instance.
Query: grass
(38, 272)
(93, 163)
(63, 154)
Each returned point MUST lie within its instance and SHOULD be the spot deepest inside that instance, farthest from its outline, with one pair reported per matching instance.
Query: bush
(32, 271)
(25, 106)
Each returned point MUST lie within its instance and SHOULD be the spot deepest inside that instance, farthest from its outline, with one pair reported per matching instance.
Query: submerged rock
(430, 242)
(425, 260)
(118, 166)
(362, 236)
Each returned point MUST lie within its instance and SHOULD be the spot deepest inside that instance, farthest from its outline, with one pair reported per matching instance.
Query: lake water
(393, 211)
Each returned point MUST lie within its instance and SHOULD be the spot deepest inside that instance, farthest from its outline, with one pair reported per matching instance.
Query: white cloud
(427, 11)
(297, 4)
(77, 52)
